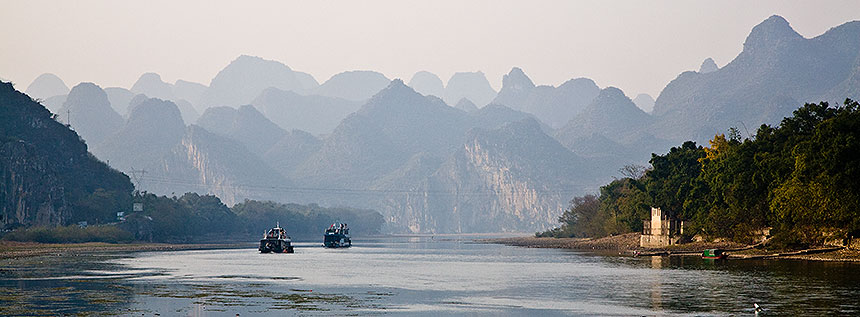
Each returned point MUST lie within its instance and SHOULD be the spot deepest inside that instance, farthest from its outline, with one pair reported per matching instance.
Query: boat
(276, 241)
(337, 236)
(714, 254)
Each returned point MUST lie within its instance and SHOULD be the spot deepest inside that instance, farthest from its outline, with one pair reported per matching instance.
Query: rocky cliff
(31, 192)
(46, 173)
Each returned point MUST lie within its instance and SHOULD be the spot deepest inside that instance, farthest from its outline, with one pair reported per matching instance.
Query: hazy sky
(638, 46)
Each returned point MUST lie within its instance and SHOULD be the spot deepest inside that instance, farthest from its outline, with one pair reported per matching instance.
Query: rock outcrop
(45, 170)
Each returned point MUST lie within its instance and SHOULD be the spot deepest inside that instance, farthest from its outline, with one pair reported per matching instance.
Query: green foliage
(625, 204)
(196, 218)
(70, 234)
(674, 184)
(100, 206)
(582, 219)
(621, 207)
(801, 178)
(208, 214)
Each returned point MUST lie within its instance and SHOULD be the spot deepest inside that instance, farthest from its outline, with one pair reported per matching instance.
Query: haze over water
(432, 276)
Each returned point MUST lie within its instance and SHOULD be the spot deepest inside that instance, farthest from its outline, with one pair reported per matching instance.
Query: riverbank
(628, 244)
(12, 249)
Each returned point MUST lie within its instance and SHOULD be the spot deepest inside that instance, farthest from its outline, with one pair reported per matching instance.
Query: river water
(421, 276)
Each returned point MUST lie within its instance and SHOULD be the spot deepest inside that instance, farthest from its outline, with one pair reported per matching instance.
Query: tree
(673, 183)
(625, 204)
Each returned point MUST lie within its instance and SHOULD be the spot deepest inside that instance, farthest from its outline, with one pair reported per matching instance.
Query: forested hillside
(47, 177)
(800, 178)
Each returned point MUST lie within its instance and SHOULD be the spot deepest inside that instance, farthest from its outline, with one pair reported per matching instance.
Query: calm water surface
(421, 276)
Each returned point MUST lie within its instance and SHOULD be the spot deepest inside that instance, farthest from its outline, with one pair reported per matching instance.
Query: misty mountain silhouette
(394, 143)
(119, 98)
(708, 65)
(206, 162)
(471, 85)
(190, 91)
(45, 86)
(644, 102)
(777, 70)
(357, 85)
(552, 105)
(153, 128)
(151, 85)
(312, 113)
(427, 83)
(246, 125)
(90, 114)
(246, 77)
(291, 150)
(466, 105)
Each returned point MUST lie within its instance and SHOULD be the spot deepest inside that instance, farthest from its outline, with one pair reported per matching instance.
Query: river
(421, 276)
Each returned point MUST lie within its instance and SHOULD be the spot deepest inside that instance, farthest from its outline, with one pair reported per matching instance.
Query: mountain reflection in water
(421, 276)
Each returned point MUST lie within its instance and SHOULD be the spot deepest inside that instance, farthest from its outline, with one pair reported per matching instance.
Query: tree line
(194, 218)
(800, 178)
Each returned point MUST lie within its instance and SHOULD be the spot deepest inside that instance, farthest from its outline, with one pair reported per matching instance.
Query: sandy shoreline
(10, 249)
(628, 244)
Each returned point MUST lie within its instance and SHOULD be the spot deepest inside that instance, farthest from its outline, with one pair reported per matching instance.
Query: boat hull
(275, 246)
(714, 254)
(337, 241)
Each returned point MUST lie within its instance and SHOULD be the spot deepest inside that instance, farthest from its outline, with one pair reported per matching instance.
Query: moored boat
(337, 236)
(714, 254)
(276, 240)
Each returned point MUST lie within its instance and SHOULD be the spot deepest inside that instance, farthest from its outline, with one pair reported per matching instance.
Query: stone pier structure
(662, 230)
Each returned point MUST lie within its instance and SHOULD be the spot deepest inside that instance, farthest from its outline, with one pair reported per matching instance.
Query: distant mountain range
(353, 85)
(553, 105)
(312, 113)
(180, 159)
(247, 76)
(395, 158)
(454, 157)
(777, 71)
(88, 111)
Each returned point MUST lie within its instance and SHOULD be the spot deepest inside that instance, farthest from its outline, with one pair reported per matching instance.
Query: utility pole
(137, 176)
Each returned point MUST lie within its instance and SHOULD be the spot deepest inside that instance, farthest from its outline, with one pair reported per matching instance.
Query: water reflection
(656, 284)
(425, 276)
